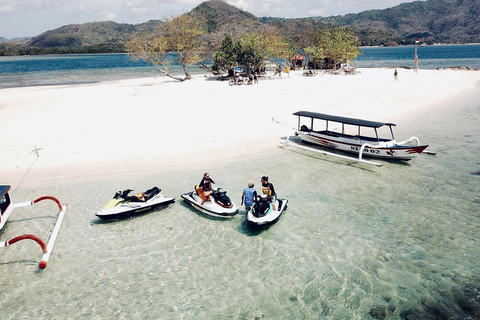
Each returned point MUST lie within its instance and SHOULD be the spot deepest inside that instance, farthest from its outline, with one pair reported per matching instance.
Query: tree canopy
(251, 50)
(180, 35)
(335, 43)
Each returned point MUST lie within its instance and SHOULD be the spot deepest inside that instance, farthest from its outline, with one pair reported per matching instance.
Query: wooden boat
(6, 208)
(355, 136)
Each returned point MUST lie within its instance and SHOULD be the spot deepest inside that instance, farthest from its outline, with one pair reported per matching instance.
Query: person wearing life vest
(206, 185)
(269, 190)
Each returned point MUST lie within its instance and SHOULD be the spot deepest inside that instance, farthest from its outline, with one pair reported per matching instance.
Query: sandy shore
(148, 124)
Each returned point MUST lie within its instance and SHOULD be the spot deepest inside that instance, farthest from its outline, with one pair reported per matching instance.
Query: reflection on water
(397, 242)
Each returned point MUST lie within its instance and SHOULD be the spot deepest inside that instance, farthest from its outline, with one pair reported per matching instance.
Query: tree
(252, 49)
(225, 58)
(315, 54)
(180, 35)
(338, 44)
(249, 50)
(276, 46)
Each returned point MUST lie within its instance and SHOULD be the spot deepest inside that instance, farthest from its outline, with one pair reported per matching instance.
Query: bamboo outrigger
(6, 208)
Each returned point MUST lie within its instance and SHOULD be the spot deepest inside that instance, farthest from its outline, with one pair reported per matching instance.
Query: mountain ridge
(433, 21)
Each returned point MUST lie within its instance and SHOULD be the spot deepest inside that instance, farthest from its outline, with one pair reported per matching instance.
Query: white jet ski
(262, 214)
(218, 204)
(124, 206)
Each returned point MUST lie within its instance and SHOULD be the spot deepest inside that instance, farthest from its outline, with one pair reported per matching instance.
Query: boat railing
(406, 142)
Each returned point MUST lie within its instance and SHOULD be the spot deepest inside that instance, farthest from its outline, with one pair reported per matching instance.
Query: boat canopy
(345, 120)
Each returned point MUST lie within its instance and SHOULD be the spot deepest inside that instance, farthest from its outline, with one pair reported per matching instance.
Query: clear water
(430, 57)
(21, 71)
(356, 242)
(74, 69)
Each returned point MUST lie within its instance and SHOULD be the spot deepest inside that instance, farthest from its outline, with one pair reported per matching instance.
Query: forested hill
(443, 21)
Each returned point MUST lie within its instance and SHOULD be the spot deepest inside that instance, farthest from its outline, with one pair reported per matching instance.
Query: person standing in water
(249, 195)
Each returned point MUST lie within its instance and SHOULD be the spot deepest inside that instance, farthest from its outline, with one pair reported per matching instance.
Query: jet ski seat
(145, 196)
(199, 191)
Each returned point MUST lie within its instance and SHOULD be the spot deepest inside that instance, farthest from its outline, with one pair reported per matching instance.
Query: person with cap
(249, 195)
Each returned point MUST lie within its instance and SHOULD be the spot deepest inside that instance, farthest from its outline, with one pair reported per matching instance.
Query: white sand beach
(149, 123)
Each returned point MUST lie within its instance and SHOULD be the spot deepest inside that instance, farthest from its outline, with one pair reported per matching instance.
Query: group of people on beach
(249, 194)
(251, 79)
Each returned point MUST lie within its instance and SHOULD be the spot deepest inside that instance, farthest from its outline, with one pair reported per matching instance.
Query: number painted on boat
(366, 150)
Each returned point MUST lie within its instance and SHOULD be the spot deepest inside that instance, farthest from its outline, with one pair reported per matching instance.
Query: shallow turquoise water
(356, 242)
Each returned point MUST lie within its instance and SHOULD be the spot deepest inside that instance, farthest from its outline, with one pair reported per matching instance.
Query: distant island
(431, 21)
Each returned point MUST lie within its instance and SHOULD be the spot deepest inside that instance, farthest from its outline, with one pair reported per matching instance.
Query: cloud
(105, 15)
(7, 8)
(137, 7)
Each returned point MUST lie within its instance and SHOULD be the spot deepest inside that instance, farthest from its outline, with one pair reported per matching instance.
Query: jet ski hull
(210, 207)
(270, 218)
(126, 209)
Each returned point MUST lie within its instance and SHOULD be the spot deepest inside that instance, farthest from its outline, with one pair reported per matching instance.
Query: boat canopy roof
(352, 121)
(3, 191)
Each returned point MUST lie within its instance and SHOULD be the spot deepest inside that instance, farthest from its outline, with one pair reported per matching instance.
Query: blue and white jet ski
(218, 204)
(124, 206)
(262, 214)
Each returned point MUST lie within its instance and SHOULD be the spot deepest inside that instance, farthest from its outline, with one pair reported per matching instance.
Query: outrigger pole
(23, 237)
(359, 159)
(51, 241)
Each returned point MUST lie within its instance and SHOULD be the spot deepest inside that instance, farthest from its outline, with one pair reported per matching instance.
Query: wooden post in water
(416, 56)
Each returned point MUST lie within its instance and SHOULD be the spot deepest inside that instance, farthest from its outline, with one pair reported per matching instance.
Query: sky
(28, 18)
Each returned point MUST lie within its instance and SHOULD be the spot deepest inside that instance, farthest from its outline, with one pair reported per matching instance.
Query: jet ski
(262, 215)
(123, 205)
(218, 204)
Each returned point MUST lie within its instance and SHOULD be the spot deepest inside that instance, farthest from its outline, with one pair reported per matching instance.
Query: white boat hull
(270, 218)
(4, 217)
(130, 209)
(210, 207)
(385, 150)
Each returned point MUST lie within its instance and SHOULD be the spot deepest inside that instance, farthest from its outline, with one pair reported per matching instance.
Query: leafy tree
(249, 50)
(276, 46)
(315, 54)
(338, 44)
(180, 35)
(225, 58)
(252, 49)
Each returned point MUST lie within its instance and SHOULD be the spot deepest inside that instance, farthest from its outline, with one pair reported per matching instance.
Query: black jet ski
(218, 204)
(123, 205)
(262, 213)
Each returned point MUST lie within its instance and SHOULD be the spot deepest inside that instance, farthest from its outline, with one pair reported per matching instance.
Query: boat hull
(210, 207)
(131, 209)
(6, 207)
(269, 219)
(352, 145)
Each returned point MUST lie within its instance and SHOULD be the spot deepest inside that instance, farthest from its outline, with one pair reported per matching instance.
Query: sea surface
(24, 71)
(399, 241)
(356, 242)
